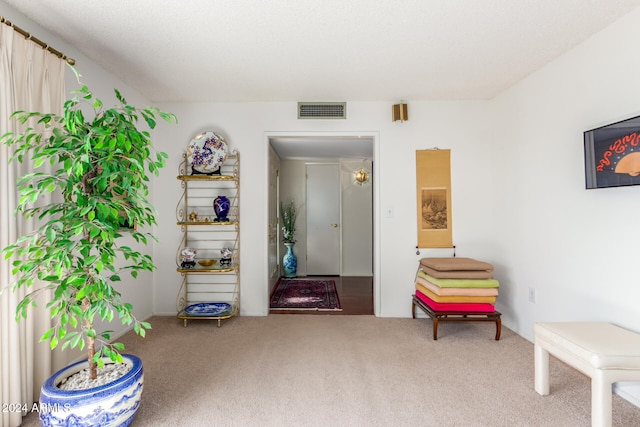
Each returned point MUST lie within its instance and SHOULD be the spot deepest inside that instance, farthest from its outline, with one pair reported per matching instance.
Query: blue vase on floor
(289, 261)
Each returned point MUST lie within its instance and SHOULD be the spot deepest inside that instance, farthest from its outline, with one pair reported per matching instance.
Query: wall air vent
(322, 110)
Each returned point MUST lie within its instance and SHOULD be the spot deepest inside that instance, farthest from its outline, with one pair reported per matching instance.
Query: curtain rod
(37, 41)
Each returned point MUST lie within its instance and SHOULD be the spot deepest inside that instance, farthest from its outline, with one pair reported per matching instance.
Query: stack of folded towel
(456, 284)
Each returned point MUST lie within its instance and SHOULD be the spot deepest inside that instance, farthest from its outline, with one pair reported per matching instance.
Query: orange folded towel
(457, 298)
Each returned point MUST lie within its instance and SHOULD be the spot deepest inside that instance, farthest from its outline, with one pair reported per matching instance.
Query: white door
(323, 219)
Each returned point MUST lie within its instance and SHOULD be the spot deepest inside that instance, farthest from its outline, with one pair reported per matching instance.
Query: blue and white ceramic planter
(112, 404)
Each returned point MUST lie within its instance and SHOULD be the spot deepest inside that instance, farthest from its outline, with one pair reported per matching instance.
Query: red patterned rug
(305, 294)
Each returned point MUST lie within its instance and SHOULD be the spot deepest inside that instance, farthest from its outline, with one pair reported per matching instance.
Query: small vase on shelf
(221, 207)
(289, 261)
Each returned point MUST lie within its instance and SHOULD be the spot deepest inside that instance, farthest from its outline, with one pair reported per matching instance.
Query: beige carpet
(306, 370)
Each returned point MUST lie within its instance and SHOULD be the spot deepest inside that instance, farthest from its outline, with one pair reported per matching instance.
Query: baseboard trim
(629, 391)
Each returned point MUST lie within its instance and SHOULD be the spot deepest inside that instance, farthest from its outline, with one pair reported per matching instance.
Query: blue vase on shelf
(289, 261)
(221, 206)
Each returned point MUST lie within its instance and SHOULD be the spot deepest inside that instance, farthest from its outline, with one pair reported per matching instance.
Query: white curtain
(31, 79)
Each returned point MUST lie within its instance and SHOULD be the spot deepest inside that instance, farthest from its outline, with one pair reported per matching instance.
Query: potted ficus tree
(100, 163)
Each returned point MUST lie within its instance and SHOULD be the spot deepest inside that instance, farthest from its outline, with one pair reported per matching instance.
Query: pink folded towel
(455, 306)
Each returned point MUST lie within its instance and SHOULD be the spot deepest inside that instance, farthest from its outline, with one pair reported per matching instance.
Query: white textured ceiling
(322, 50)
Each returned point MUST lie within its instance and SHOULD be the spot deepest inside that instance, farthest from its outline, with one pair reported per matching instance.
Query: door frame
(375, 137)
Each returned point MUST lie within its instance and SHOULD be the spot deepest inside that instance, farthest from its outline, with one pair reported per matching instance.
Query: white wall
(577, 248)
(357, 221)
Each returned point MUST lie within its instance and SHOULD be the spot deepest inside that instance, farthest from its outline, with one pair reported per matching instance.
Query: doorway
(294, 153)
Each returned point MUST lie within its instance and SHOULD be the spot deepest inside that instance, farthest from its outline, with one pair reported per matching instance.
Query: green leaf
(48, 334)
(51, 234)
(80, 295)
(75, 309)
(38, 162)
(119, 96)
(150, 121)
(76, 340)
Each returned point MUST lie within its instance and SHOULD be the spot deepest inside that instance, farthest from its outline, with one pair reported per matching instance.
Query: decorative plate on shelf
(207, 309)
(206, 153)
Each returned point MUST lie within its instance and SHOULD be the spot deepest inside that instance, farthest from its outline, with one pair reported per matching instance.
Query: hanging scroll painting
(433, 188)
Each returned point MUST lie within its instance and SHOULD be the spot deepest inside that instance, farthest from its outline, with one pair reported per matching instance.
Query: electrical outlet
(532, 295)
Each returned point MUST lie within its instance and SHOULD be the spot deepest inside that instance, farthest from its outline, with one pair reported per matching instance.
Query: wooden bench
(604, 352)
(455, 316)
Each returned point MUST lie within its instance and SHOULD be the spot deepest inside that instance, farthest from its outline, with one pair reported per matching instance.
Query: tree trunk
(93, 370)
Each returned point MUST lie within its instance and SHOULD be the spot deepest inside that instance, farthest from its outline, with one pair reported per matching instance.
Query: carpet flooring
(345, 371)
(305, 294)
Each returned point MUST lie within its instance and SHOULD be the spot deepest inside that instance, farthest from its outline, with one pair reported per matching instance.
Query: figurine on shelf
(193, 217)
(188, 258)
(226, 256)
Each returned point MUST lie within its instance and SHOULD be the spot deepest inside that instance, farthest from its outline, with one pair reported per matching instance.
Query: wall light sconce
(361, 176)
(399, 112)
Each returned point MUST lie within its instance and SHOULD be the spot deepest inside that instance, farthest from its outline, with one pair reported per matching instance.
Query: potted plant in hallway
(288, 215)
(100, 172)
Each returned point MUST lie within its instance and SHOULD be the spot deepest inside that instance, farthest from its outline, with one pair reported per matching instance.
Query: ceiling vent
(322, 110)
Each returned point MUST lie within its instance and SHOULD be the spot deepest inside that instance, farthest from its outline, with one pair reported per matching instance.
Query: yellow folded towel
(460, 298)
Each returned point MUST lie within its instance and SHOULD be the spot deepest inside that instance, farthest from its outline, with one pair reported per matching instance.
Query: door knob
(334, 225)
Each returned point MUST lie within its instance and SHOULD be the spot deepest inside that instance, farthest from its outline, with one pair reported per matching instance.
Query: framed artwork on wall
(612, 154)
